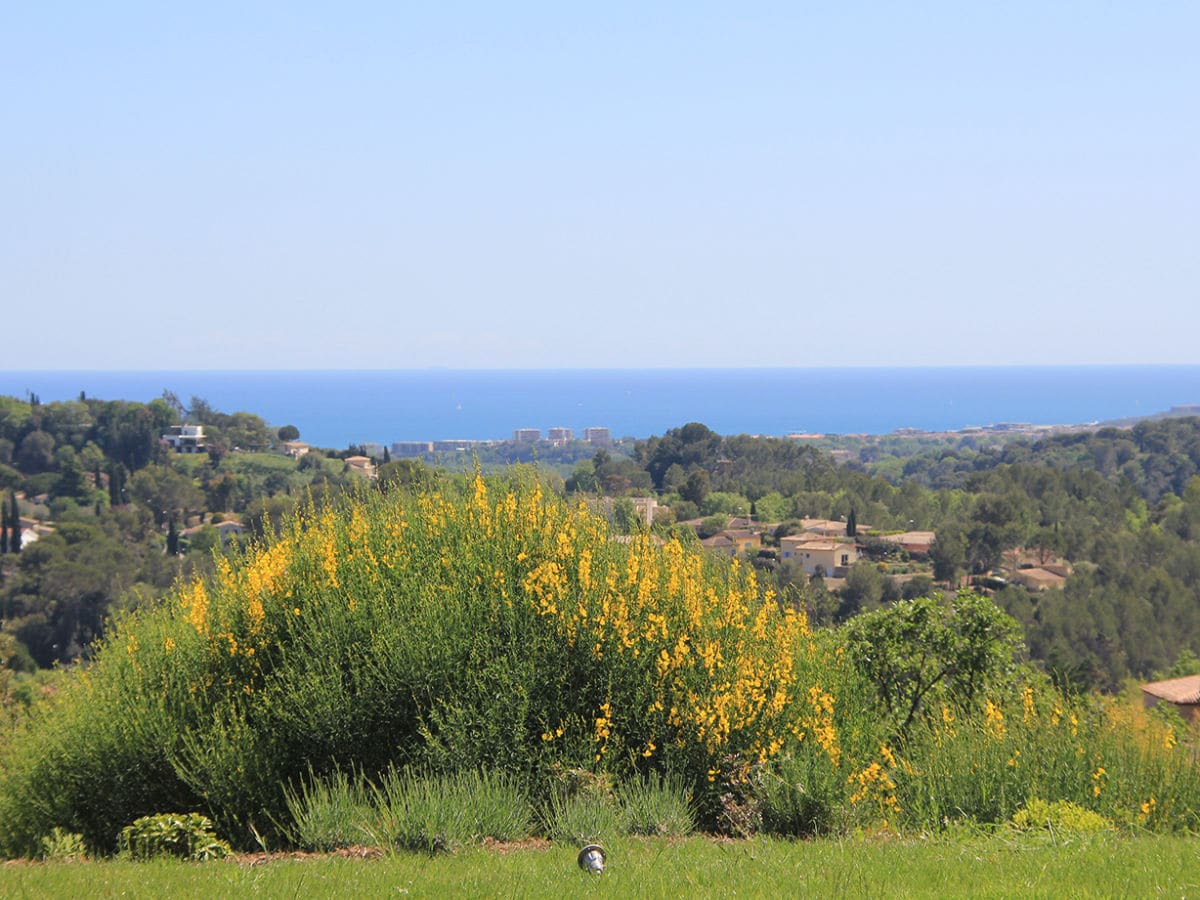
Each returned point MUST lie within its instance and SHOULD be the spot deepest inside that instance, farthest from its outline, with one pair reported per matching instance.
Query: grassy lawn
(1002, 865)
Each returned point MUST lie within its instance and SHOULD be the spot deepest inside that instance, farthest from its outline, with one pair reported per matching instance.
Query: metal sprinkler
(591, 859)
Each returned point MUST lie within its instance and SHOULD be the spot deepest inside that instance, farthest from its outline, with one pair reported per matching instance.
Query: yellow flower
(993, 720)
(1099, 777)
(1027, 701)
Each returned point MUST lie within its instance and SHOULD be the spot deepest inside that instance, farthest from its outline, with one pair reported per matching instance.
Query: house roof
(819, 545)
(1038, 577)
(718, 540)
(740, 534)
(910, 537)
(1175, 690)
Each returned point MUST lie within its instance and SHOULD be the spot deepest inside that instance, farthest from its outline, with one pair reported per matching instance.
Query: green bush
(489, 626)
(183, 835)
(64, 846)
(1061, 815)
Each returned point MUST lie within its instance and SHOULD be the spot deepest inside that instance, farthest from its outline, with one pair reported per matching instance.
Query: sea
(340, 408)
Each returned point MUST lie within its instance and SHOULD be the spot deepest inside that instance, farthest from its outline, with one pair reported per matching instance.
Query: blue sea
(340, 408)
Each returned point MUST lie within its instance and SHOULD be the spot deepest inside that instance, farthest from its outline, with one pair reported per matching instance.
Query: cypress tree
(172, 539)
(14, 540)
(851, 524)
(3, 529)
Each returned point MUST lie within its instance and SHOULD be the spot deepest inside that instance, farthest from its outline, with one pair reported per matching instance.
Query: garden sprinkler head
(591, 859)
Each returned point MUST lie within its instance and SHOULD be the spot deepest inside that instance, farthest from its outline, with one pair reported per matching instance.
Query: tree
(172, 539)
(696, 488)
(851, 524)
(921, 650)
(288, 433)
(165, 492)
(948, 553)
(14, 522)
(35, 453)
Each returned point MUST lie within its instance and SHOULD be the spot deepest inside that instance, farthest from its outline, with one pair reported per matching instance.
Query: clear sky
(402, 185)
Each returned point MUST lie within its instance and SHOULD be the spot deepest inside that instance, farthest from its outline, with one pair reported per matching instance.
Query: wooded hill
(1120, 508)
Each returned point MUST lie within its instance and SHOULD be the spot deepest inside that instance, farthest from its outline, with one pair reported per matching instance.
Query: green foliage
(1059, 816)
(63, 846)
(656, 805)
(183, 835)
(581, 818)
(712, 525)
(917, 652)
(800, 798)
(329, 813)
(420, 811)
(1102, 755)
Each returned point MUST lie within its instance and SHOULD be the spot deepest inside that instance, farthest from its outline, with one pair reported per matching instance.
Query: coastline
(339, 408)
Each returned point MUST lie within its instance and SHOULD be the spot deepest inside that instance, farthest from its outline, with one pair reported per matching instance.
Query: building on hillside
(915, 543)
(597, 435)
(185, 438)
(646, 507)
(294, 449)
(228, 529)
(459, 445)
(362, 465)
(32, 529)
(411, 448)
(1182, 693)
(744, 539)
(527, 435)
(829, 527)
(720, 543)
(1038, 579)
(560, 436)
(831, 557)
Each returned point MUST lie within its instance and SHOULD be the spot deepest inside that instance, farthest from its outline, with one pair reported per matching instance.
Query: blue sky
(387, 185)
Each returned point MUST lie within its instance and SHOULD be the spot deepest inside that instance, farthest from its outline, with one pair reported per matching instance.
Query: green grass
(1004, 864)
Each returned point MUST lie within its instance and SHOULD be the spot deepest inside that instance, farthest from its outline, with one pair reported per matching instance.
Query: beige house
(294, 449)
(1038, 579)
(229, 530)
(744, 539)
(833, 557)
(915, 542)
(720, 543)
(1183, 693)
(362, 465)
